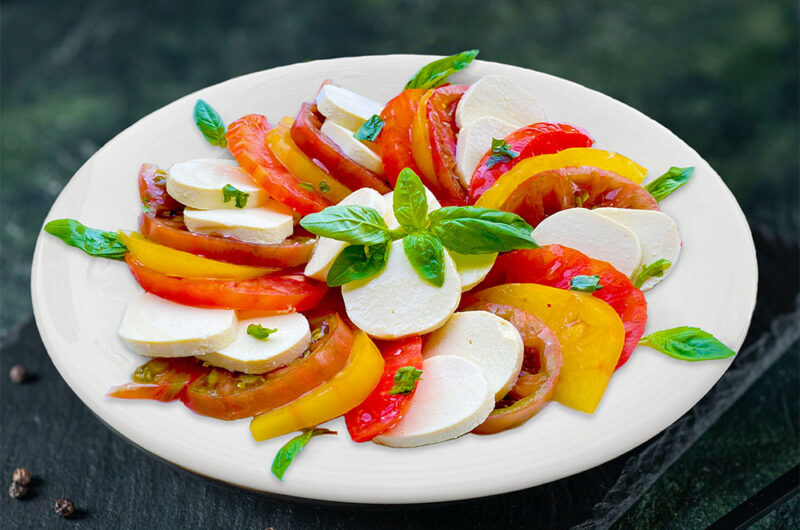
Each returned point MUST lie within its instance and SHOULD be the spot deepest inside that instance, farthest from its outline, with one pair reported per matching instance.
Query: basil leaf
(229, 192)
(669, 182)
(436, 73)
(473, 230)
(324, 187)
(371, 129)
(404, 380)
(359, 225)
(257, 331)
(655, 269)
(585, 284)
(687, 344)
(357, 262)
(210, 123)
(292, 448)
(90, 240)
(426, 255)
(409, 200)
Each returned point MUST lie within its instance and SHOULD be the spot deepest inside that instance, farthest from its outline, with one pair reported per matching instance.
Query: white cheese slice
(389, 217)
(472, 268)
(657, 233)
(199, 184)
(498, 96)
(353, 148)
(397, 302)
(595, 235)
(160, 328)
(254, 356)
(345, 107)
(451, 399)
(485, 339)
(270, 223)
(475, 140)
(327, 250)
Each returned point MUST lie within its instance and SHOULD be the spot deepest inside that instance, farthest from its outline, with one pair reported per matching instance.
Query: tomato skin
(395, 137)
(153, 190)
(443, 134)
(160, 379)
(382, 411)
(272, 292)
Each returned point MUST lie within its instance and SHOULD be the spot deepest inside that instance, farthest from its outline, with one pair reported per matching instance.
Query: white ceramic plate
(79, 301)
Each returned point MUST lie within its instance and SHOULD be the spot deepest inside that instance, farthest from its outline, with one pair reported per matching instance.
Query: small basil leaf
(405, 378)
(210, 123)
(687, 344)
(357, 262)
(292, 448)
(257, 331)
(655, 269)
(371, 129)
(426, 255)
(501, 152)
(436, 73)
(230, 192)
(472, 230)
(90, 240)
(669, 182)
(409, 200)
(585, 284)
(324, 187)
(359, 225)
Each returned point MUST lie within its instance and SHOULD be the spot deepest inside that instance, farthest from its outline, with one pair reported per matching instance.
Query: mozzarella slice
(595, 235)
(472, 268)
(397, 302)
(160, 328)
(451, 399)
(498, 96)
(485, 339)
(353, 148)
(657, 233)
(327, 250)
(345, 107)
(389, 217)
(253, 356)
(270, 223)
(199, 184)
(475, 140)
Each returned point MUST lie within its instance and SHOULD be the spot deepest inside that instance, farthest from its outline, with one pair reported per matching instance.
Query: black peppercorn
(22, 476)
(64, 507)
(18, 373)
(17, 490)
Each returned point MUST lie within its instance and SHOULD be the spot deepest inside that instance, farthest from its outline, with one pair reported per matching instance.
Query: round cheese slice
(199, 184)
(475, 140)
(353, 148)
(472, 268)
(271, 223)
(500, 97)
(345, 107)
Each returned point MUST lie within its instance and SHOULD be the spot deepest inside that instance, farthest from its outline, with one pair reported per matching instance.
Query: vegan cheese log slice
(159, 328)
(485, 339)
(451, 399)
(500, 97)
(657, 233)
(345, 107)
(475, 140)
(200, 183)
(271, 223)
(595, 235)
(389, 217)
(254, 356)
(353, 148)
(327, 250)
(397, 302)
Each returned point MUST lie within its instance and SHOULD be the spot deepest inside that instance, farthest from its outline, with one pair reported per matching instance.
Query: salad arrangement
(449, 262)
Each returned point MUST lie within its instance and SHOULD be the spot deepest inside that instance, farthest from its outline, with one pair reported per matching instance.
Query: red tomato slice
(247, 142)
(443, 133)
(153, 190)
(382, 411)
(161, 379)
(395, 137)
(555, 266)
(308, 137)
(283, 292)
(536, 139)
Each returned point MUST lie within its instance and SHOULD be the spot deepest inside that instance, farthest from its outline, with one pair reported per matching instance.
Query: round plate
(79, 301)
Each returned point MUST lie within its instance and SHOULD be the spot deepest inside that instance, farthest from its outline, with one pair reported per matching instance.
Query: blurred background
(721, 74)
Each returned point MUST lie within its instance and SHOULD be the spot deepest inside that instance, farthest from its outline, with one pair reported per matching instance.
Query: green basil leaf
(585, 284)
(257, 331)
(404, 380)
(473, 230)
(210, 123)
(292, 448)
(229, 192)
(409, 200)
(687, 344)
(90, 240)
(357, 262)
(426, 255)
(669, 182)
(655, 269)
(501, 152)
(359, 225)
(436, 73)
(371, 129)
(324, 187)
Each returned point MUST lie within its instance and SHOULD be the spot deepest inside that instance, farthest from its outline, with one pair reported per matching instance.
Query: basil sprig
(687, 344)
(436, 73)
(257, 331)
(585, 284)
(501, 152)
(370, 129)
(655, 269)
(210, 123)
(230, 192)
(405, 378)
(669, 182)
(90, 240)
(292, 448)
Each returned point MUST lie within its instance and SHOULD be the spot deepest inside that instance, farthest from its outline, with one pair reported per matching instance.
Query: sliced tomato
(161, 379)
(153, 190)
(307, 135)
(597, 188)
(247, 142)
(395, 137)
(381, 411)
(443, 134)
(282, 292)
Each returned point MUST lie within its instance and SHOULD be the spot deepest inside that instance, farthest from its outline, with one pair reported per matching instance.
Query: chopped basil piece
(257, 331)
(687, 344)
(585, 284)
(307, 186)
(404, 380)
(210, 123)
(655, 269)
(90, 240)
(292, 448)
(436, 73)
(669, 182)
(229, 192)
(324, 187)
(371, 129)
(501, 152)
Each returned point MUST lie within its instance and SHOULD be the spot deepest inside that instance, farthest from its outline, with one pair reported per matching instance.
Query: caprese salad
(446, 262)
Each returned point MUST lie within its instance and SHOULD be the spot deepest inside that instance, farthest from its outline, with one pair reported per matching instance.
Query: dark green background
(723, 75)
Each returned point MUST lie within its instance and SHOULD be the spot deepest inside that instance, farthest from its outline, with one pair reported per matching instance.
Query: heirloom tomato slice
(394, 139)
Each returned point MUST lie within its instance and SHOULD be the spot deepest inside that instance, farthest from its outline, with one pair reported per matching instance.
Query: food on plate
(499, 97)
(352, 148)
(213, 183)
(474, 140)
(345, 107)
(270, 223)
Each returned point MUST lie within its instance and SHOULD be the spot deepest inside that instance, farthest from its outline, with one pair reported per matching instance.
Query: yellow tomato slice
(329, 400)
(421, 142)
(574, 157)
(173, 262)
(590, 332)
